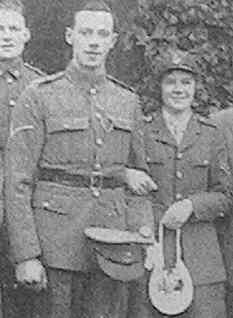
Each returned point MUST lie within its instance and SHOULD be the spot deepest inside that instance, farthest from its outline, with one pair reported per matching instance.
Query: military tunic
(14, 77)
(196, 169)
(224, 120)
(67, 153)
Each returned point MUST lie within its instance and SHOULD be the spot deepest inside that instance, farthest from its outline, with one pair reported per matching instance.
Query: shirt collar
(14, 67)
(180, 123)
(86, 80)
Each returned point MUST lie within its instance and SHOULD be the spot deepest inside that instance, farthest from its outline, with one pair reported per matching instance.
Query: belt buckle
(96, 182)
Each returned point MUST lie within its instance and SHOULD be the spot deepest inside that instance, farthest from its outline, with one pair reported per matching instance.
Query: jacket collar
(85, 80)
(14, 67)
(162, 133)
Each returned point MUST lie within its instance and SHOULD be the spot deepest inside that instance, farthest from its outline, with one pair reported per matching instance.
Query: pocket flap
(52, 201)
(67, 123)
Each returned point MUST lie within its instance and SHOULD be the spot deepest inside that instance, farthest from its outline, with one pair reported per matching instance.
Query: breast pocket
(200, 169)
(67, 139)
(118, 140)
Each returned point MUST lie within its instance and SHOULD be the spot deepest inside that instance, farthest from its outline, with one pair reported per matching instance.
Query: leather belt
(94, 180)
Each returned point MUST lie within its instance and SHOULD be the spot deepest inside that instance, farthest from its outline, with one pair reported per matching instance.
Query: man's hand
(32, 274)
(178, 214)
(139, 182)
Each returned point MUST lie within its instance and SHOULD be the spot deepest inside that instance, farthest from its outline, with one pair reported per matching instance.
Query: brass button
(98, 115)
(97, 166)
(99, 141)
(179, 174)
(179, 155)
(145, 231)
(66, 126)
(16, 73)
(206, 162)
(148, 159)
(93, 91)
(221, 215)
(178, 196)
(45, 204)
(96, 193)
(12, 103)
(9, 80)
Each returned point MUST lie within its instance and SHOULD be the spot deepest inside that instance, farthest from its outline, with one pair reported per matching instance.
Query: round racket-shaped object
(170, 291)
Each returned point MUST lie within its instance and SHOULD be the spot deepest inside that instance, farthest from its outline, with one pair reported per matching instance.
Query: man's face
(13, 34)
(92, 38)
(178, 89)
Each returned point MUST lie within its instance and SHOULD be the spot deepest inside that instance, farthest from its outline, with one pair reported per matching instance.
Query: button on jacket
(196, 169)
(78, 125)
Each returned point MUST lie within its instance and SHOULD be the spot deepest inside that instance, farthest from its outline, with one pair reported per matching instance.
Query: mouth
(92, 53)
(7, 46)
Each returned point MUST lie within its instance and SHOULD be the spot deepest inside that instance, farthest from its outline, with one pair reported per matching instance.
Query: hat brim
(119, 271)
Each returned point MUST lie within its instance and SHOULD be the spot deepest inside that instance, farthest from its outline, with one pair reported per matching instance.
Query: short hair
(96, 5)
(14, 5)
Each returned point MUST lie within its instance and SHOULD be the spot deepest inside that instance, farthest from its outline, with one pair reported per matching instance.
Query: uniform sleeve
(218, 200)
(22, 155)
(137, 156)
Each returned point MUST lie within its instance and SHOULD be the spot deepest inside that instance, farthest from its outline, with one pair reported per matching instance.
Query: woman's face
(178, 89)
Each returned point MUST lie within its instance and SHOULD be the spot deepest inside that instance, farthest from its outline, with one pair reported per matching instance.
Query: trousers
(80, 295)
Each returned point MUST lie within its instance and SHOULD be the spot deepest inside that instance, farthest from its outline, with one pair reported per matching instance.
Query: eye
(186, 81)
(170, 81)
(14, 28)
(85, 31)
(104, 33)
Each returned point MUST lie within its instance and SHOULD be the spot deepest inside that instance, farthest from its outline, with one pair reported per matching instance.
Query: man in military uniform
(224, 120)
(186, 155)
(66, 161)
(15, 75)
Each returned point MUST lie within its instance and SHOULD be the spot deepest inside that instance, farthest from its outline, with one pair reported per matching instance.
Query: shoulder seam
(50, 78)
(120, 83)
(35, 69)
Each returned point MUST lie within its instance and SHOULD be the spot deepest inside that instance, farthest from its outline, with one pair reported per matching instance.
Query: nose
(7, 34)
(177, 88)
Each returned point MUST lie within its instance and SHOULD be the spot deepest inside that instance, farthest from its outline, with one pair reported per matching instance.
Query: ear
(27, 35)
(69, 36)
(114, 39)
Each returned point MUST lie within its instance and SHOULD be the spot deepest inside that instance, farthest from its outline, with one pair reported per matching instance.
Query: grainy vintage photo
(116, 158)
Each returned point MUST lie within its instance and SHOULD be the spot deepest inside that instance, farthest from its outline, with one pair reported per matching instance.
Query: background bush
(204, 27)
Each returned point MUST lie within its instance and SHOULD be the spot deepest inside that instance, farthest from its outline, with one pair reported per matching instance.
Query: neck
(94, 71)
(178, 115)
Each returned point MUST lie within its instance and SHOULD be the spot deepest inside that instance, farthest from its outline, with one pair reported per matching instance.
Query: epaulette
(120, 83)
(207, 121)
(34, 69)
(50, 78)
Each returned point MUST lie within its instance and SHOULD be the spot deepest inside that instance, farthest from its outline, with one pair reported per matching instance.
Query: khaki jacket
(76, 124)
(196, 169)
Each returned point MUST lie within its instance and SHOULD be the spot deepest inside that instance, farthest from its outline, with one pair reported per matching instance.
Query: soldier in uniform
(15, 75)
(66, 170)
(224, 120)
(186, 156)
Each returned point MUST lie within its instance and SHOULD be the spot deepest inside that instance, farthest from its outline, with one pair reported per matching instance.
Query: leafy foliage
(203, 27)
